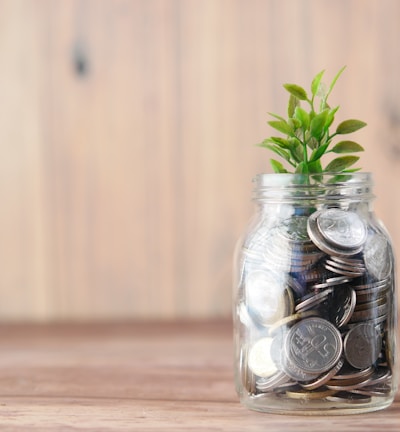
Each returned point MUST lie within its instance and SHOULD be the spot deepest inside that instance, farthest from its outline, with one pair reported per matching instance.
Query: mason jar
(314, 298)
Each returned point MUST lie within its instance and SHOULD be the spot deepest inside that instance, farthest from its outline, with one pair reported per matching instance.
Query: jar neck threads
(313, 189)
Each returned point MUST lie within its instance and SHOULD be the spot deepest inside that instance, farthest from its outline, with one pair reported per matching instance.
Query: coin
(295, 372)
(344, 229)
(323, 379)
(337, 232)
(369, 314)
(349, 397)
(371, 304)
(310, 395)
(351, 262)
(377, 256)
(294, 229)
(341, 305)
(347, 373)
(260, 361)
(265, 297)
(344, 269)
(268, 384)
(314, 345)
(311, 300)
(332, 282)
(362, 345)
(290, 320)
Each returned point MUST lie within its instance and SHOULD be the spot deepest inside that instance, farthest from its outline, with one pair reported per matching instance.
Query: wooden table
(144, 377)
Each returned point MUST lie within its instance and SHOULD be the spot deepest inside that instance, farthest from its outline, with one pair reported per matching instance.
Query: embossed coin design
(314, 345)
(337, 232)
(342, 228)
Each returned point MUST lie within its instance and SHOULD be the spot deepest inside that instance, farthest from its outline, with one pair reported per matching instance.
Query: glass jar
(314, 298)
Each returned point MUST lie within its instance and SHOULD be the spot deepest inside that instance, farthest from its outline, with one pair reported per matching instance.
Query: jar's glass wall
(314, 302)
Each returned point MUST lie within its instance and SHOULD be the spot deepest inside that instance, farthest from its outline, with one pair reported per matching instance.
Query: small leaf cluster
(308, 133)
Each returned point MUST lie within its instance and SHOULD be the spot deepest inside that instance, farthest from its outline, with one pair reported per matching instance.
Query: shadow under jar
(314, 298)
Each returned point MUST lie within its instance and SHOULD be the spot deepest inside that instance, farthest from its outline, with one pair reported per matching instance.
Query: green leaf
(281, 126)
(312, 143)
(278, 150)
(330, 117)
(301, 168)
(317, 124)
(282, 142)
(303, 116)
(334, 82)
(318, 152)
(341, 163)
(349, 126)
(278, 117)
(296, 91)
(296, 149)
(316, 83)
(293, 103)
(347, 147)
(277, 166)
(315, 167)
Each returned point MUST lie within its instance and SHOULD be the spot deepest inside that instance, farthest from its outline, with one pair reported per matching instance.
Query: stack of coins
(315, 293)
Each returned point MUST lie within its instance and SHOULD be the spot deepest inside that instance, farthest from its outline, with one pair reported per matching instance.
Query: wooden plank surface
(127, 132)
(138, 376)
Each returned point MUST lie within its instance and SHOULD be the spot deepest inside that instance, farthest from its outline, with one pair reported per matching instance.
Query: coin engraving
(342, 228)
(314, 345)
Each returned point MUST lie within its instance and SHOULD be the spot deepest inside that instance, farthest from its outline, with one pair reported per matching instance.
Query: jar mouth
(321, 186)
(330, 178)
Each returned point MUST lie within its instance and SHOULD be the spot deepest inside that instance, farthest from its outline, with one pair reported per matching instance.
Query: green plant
(307, 133)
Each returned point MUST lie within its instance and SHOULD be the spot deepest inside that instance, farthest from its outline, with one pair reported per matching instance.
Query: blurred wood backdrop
(127, 132)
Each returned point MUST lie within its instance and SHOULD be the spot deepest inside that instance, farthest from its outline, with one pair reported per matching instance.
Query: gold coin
(309, 395)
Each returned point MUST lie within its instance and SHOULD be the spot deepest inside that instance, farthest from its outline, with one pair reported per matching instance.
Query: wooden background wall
(127, 132)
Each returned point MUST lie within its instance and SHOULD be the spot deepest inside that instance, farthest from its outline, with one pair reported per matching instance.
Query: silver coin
(269, 384)
(259, 360)
(382, 390)
(312, 300)
(369, 296)
(341, 305)
(373, 285)
(294, 229)
(352, 262)
(295, 372)
(362, 345)
(332, 282)
(347, 386)
(348, 373)
(369, 314)
(322, 242)
(265, 297)
(341, 271)
(323, 379)
(377, 256)
(348, 267)
(349, 398)
(344, 229)
(314, 345)
(371, 304)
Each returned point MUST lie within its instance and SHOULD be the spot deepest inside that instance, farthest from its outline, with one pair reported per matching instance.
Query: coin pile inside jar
(315, 293)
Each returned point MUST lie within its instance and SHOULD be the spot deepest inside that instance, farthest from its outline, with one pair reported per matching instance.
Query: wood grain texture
(127, 130)
(138, 377)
